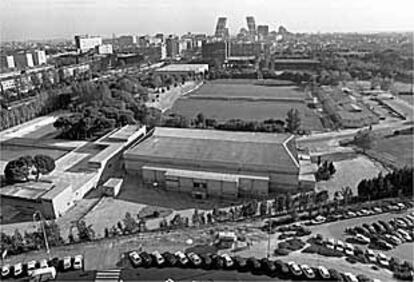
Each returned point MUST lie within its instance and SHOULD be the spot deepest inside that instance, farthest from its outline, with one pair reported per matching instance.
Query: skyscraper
(221, 27)
(251, 25)
(263, 31)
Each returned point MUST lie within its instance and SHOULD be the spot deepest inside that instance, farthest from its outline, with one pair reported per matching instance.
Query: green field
(248, 90)
(258, 110)
(399, 149)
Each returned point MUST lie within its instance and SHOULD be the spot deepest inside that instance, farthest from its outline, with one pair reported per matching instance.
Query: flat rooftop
(27, 190)
(184, 67)
(237, 149)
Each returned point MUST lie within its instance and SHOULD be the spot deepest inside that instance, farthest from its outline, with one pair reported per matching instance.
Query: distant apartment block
(221, 27)
(39, 57)
(7, 62)
(104, 49)
(23, 60)
(173, 46)
(85, 42)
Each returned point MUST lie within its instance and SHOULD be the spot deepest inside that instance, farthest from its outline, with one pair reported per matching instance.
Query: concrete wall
(253, 187)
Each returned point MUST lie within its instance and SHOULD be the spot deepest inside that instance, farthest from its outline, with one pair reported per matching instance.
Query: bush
(312, 249)
(281, 252)
(323, 251)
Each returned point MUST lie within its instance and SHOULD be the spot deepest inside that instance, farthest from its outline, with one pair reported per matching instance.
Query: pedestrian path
(108, 275)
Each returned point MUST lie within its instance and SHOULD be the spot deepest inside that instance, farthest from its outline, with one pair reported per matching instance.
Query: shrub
(312, 249)
(281, 252)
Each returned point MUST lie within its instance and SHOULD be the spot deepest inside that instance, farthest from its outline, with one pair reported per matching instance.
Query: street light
(43, 229)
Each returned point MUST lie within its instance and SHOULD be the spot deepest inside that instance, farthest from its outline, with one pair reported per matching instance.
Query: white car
(158, 258)
(349, 249)
(78, 262)
(351, 214)
(400, 205)
(383, 260)
(351, 277)
(371, 256)
(43, 263)
(324, 272)
(195, 259)
(364, 212)
(18, 269)
(339, 246)
(5, 270)
(330, 243)
(362, 239)
(405, 234)
(309, 273)
(67, 263)
(294, 268)
(31, 266)
(377, 209)
(181, 257)
(228, 262)
(318, 220)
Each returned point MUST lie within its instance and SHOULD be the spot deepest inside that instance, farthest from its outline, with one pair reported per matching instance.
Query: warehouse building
(216, 163)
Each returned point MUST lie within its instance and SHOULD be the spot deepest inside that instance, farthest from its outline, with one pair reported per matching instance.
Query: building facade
(85, 43)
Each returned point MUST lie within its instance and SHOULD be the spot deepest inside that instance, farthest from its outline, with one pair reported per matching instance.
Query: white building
(105, 49)
(85, 42)
(39, 57)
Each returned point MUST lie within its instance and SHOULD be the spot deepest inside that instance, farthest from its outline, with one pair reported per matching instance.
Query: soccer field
(214, 106)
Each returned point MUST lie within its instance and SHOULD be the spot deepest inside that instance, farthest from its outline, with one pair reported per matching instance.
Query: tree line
(394, 184)
(291, 124)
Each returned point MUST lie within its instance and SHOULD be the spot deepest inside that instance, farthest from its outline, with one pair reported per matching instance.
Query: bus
(43, 274)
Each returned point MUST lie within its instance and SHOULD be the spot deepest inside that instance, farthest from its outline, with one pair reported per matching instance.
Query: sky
(49, 19)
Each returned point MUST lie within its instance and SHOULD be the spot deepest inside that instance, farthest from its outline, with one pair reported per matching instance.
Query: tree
(200, 120)
(363, 139)
(85, 233)
(17, 171)
(130, 224)
(346, 193)
(44, 164)
(293, 120)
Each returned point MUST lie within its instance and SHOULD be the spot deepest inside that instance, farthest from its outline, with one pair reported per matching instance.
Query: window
(200, 185)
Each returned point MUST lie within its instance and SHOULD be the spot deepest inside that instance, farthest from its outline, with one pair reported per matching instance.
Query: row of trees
(325, 171)
(20, 170)
(397, 183)
(291, 124)
(19, 243)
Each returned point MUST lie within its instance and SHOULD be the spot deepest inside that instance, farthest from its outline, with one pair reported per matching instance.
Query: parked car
(379, 228)
(66, 263)
(323, 272)
(330, 243)
(401, 206)
(18, 269)
(135, 259)
(55, 262)
(43, 263)
(268, 266)
(5, 271)
(240, 263)
(349, 249)
(400, 223)
(377, 210)
(31, 266)
(398, 236)
(182, 258)
(146, 258)
(339, 246)
(386, 225)
(351, 214)
(228, 262)
(369, 228)
(170, 259)
(78, 262)
(362, 239)
(392, 239)
(318, 220)
(294, 268)
(218, 262)
(195, 259)
(405, 234)
(207, 261)
(253, 264)
(309, 273)
(372, 258)
(406, 221)
(349, 277)
(159, 260)
(384, 245)
(383, 260)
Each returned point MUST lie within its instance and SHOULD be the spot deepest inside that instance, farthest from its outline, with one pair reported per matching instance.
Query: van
(43, 274)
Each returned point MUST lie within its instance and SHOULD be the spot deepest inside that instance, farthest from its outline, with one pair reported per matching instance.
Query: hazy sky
(38, 19)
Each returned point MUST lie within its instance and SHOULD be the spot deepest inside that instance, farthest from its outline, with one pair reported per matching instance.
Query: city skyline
(46, 19)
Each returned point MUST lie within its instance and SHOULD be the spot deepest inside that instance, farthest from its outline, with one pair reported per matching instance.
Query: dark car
(241, 263)
(282, 267)
(386, 225)
(268, 266)
(170, 259)
(55, 262)
(146, 258)
(253, 264)
(335, 275)
(207, 261)
(218, 262)
(379, 228)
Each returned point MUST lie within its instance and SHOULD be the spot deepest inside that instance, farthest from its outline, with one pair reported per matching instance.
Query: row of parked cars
(20, 270)
(272, 268)
(385, 234)
(349, 250)
(353, 213)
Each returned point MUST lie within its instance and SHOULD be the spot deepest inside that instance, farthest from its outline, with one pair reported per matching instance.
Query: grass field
(397, 149)
(223, 110)
(408, 98)
(248, 90)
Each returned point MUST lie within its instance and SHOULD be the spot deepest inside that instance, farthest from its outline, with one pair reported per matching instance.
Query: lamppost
(41, 218)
